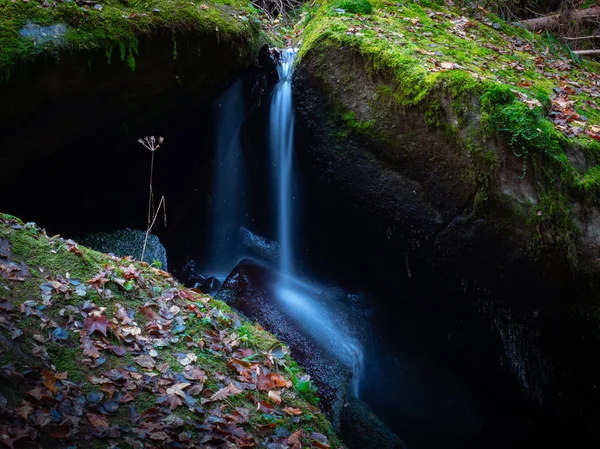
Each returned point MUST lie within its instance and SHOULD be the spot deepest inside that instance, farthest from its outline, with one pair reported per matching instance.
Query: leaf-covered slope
(506, 88)
(420, 40)
(29, 28)
(105, 351)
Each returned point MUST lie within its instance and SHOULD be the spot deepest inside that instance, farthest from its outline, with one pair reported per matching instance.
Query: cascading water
(301, 303)
(282, 149)
(228, 198)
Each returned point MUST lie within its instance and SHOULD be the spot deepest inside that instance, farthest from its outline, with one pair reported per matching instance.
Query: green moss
(354, 6)
(65, 356)
(354, 126)
(53, 256)
(32, 246)
(117, 25)
(403, 48)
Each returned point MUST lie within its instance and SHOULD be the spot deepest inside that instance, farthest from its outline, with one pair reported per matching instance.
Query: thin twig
(161, 203)
(586, 52)
(582, 38)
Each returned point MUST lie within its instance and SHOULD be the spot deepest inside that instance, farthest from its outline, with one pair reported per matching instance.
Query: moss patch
(501, 84)
(28, 30)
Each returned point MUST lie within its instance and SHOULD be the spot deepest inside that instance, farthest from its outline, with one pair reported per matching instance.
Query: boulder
(265, 248)
(127, 242)
(409, 158)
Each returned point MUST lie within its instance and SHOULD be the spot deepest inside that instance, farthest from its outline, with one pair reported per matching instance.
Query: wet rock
(210, 285)
(192, 277)
(362, 429)
(265, 248)
(44, 34)
(250, 289)
(127, 242)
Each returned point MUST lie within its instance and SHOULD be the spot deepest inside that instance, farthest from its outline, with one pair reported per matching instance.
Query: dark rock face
(192, 277)
(401, 207)
(127, 242)
(71, 130)
(49, 105)
(362, 429)
(265, 248)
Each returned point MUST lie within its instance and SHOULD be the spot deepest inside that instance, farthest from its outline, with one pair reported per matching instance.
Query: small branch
(582, 38)
(586, 52)
(553, 21)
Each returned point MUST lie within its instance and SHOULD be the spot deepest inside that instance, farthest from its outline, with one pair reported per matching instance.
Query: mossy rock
(127, 242)
(114, 70)
(30, 30)
(108, 343)
(445, 149)
(354, 6)
(467, 134)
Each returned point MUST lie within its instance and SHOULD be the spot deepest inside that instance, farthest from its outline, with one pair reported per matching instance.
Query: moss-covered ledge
(125, 68)
(402, 75)
(99, 350)
(35, 28)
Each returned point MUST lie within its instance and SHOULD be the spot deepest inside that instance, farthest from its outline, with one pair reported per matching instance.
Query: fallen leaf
(223, 393)
(145, 361)
(97, 420)
(89, 347)
(294, 439)
(178, 389)
(50, 381)
(173, 401)
(148, 312)
(271, 381)
(192, 373)
(96, 323)
(264, 407)
(275, 398)
(24, 410)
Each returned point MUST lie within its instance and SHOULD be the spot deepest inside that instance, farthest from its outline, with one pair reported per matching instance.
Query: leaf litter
(142, 375)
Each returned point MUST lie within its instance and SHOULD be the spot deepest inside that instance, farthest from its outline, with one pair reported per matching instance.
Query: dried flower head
(150, 142)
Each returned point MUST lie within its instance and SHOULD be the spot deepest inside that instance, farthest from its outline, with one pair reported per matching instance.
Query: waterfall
(301, 303)
(282, 148)
(228, 187)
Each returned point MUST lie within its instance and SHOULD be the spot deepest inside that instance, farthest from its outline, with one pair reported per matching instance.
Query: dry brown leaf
(274, 397)
(292, 411)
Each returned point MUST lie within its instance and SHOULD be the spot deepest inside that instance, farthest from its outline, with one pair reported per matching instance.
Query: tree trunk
(552, 22)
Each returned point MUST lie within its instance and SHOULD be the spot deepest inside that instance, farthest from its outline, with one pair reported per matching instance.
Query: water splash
(228, 198)
(301, 304)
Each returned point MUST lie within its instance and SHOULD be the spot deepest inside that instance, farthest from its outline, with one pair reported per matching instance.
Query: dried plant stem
(162, 204)
(152, 144)
(150, 194)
